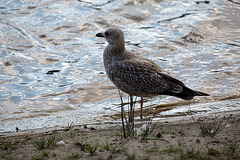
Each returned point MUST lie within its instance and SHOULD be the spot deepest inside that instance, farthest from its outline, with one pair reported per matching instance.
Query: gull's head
(114, 36)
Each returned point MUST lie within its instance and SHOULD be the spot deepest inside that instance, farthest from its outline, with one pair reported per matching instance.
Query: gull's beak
(99, 35)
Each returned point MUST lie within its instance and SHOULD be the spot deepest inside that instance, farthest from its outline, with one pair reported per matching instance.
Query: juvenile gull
(137, 75)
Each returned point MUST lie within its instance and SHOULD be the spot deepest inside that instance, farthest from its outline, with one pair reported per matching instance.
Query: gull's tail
(188, 94)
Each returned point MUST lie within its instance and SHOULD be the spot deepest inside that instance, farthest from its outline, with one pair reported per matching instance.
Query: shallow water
(51, 63)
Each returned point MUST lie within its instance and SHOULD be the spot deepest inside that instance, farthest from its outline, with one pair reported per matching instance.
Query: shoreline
(107, 125)
(174, 139)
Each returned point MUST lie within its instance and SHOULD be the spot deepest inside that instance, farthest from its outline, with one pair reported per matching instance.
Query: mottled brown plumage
(137, 75)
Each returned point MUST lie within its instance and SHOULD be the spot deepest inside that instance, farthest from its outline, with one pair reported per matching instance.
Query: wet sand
(176, 139)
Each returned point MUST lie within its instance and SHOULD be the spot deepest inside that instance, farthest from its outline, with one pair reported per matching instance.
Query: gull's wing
(142, 77)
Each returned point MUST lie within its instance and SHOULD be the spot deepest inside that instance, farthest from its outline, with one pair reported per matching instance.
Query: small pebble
(61, 143)
(198, 141)
(159, 135)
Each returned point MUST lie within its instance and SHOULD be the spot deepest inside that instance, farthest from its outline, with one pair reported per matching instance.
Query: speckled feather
(137, 75)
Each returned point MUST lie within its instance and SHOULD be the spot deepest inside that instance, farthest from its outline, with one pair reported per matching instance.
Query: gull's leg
(131, 109)
(141, 102)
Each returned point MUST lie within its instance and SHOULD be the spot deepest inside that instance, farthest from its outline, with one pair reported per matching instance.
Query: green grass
(69, 126)
(118, 150)
(9, 145)
(127, 124)
(213, 152)
(149, 129)
(191, 154)
(88, 147)
(129, 129)
(145, 158)
(73, 156)
(211, 128)
(106, 146)
(232, 148)
(130, 156)
(171, 149)
(6, 156)
(44, 142)
(44, 155)
(71, 134)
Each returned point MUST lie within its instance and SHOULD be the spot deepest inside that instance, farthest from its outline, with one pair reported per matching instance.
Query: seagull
(137, 75)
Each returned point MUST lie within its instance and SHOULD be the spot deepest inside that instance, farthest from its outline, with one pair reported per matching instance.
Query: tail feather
(178, 89)
(187, 93)
(198, 93)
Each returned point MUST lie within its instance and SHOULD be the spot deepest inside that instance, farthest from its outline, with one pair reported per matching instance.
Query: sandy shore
(179, 139)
